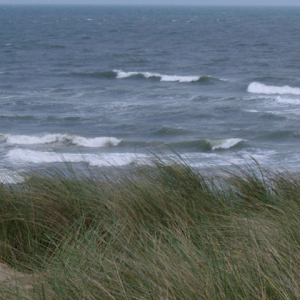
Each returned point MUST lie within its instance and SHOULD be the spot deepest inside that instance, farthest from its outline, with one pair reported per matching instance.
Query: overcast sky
(159, 2)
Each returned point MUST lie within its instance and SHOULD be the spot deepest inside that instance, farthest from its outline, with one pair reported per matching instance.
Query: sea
(116, 86)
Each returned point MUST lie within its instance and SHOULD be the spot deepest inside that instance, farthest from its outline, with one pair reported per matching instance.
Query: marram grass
(162, 232)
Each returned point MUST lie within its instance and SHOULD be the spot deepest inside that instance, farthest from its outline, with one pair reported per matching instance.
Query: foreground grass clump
(162, 232)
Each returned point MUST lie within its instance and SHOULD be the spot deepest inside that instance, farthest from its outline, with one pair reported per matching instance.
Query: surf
(260, 88)
(96, 142)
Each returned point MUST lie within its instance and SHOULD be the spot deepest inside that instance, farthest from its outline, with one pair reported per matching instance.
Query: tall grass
(161, 232)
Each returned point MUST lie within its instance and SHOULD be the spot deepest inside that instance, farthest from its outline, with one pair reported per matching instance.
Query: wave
(254, 111)
(269, 115)
(23, 156)
(169, 131)
(280, 99)
(208, 145)
(203, 145)
(105, 74)
(16, 117)
(225, 143)
(260, 88)
(119, 74)
(104, 160)
(95, 142)
(280, 135)
(60, 138)
(196, 145)
(168, 78)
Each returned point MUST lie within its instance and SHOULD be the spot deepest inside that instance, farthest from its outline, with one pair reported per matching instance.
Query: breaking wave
(202, 145)
(284, 100)
(168, 78)
(224, 144)
(208, 145)
(260, 88)
(60, 138)
(119, 74)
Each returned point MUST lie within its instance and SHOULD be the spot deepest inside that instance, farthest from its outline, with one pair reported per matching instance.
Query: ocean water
(111, 86)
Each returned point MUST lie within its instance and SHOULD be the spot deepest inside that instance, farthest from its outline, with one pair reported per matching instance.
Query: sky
(159, 2)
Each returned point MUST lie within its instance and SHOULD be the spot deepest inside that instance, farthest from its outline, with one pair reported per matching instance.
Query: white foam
(54, 138)
(265, 157)
(251, 110)
(224, 144)
(259, 88)
(96, 142)
(169, 78)
(179, 78)
(31, 140)
(280, 99)
(121, 74)
(24, 156)
(200, 160)
(30, 156)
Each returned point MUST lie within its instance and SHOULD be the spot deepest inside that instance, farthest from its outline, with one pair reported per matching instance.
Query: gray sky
(159, 2)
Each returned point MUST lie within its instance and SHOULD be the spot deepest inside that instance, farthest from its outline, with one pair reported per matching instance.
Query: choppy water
(109, 85)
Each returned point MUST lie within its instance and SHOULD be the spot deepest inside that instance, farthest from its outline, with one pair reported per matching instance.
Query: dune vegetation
(160, 232)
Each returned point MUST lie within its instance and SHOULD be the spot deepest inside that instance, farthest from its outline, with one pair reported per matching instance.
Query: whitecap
(251, 110)
(60, 138)
(179, 78)
(31, 140)
(259, 88)
(95, 142)
(168, 78)
(280, 99)
(121, 74)
(225, 143)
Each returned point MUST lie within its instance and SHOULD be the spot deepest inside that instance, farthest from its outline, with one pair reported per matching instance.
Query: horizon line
(150, 5)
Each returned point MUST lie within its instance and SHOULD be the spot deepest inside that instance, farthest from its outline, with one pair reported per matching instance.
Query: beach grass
(165, 231)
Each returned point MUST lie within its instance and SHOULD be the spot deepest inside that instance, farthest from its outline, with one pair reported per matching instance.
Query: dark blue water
(108, 85)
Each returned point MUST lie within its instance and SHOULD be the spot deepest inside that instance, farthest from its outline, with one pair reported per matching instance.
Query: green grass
(160, 232)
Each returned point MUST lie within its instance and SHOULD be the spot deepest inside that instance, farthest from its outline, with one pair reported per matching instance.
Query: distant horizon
(263, 3)
(150, 5)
